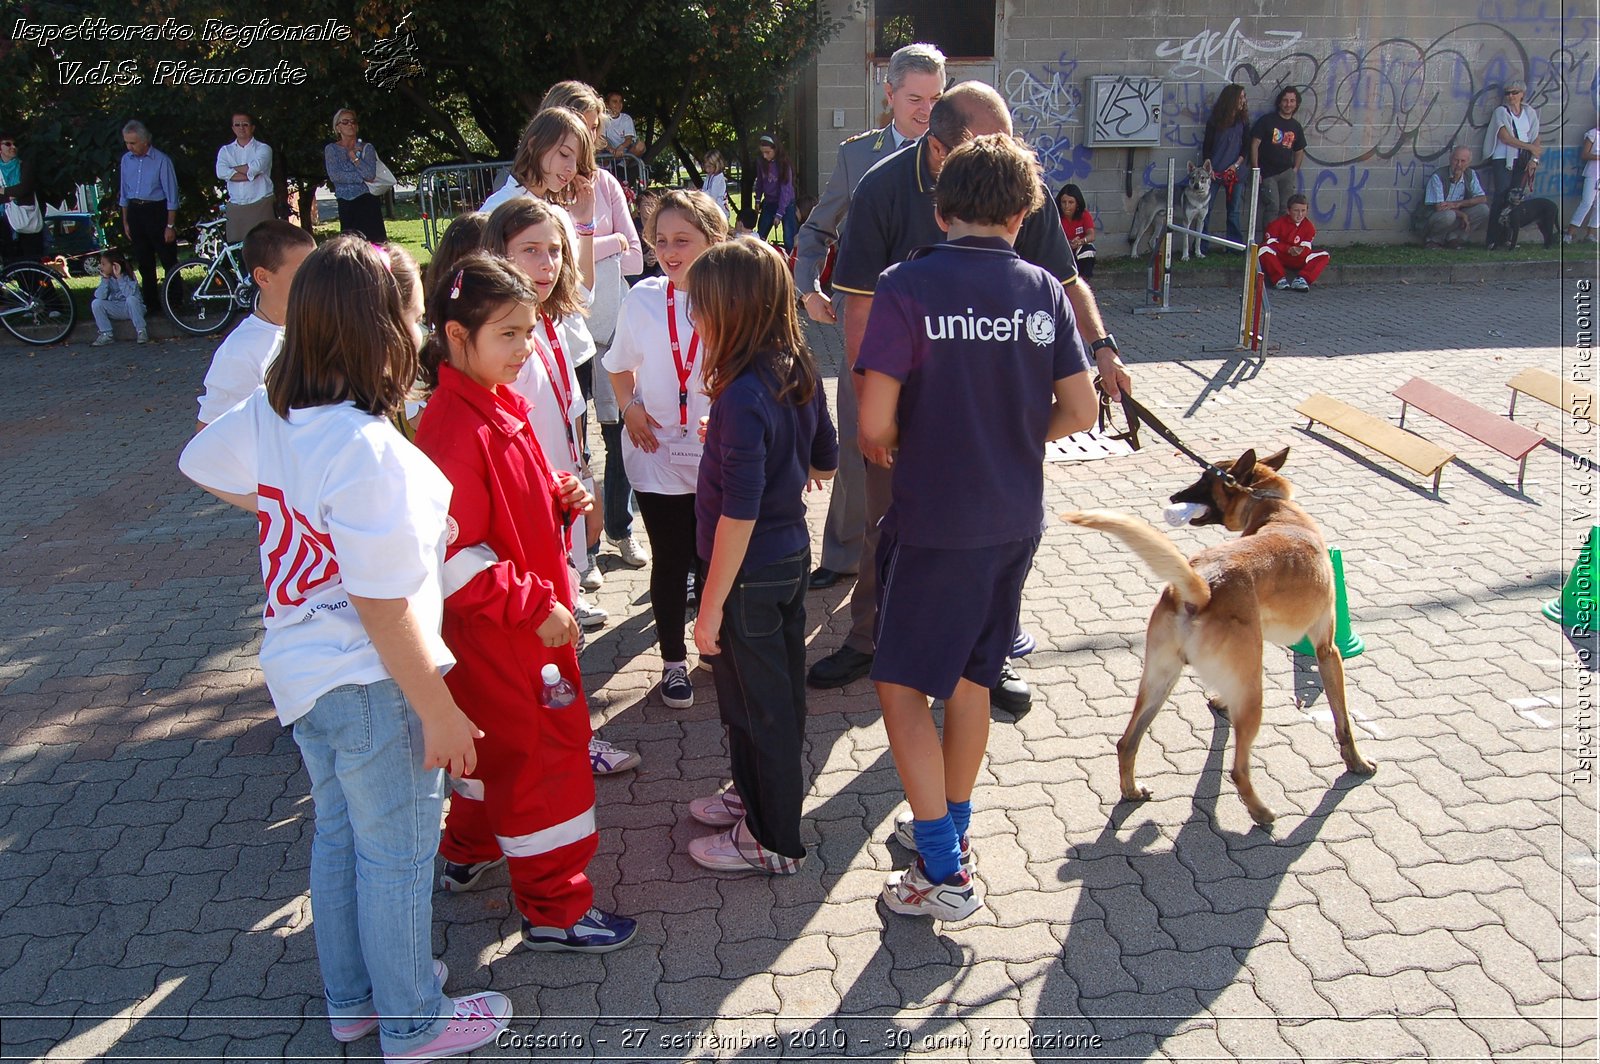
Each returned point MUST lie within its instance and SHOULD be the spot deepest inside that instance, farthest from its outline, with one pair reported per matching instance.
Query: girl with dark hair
(1223, 145)
(768, 438)
(508, 616)
(353, 525)
(1078, 226)
(775, 191)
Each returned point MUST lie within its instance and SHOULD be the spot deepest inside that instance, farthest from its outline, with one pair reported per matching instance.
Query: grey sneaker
(634, 556)
(588, 615)
(142, 338)
(103, 339)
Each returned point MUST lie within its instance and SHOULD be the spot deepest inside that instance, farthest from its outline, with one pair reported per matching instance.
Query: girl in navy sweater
(767, 438)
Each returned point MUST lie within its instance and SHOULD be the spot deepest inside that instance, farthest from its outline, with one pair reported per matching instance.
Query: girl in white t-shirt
(555, 162)
(1589, 186)
(654, 367)
(527, 232)
(352, 523)
(716, 183)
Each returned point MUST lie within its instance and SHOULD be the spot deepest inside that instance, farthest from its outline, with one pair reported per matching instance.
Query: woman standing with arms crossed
(351, 163)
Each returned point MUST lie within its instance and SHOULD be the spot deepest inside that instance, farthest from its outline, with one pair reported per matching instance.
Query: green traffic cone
(1349, 644)
(1576, 605)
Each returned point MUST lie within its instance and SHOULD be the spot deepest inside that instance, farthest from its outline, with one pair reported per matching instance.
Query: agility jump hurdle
(1255, 313)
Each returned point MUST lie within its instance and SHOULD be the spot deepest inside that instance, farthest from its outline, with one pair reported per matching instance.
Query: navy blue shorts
(947, 615)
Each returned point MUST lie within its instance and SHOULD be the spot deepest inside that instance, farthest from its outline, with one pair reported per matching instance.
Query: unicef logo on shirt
(1042, 327)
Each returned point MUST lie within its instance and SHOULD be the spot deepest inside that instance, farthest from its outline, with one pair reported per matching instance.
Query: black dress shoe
(839, 668)
(824, 577)
(1011, 693)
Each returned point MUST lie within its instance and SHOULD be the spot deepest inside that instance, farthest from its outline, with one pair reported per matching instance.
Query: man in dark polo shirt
(891, 215)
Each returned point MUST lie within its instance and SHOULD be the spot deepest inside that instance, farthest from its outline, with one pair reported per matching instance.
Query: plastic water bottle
(557, 692)
(1180, 513)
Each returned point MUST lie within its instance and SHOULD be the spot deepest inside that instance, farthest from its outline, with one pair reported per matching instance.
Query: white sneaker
(736, 850)
(592, 579)
(911, 893)
(142, 338)
(1282, 285)
(606, 759)
(589, 615)
(634, 555)
(905, 833)
(721, 810)
(103, 339)
(1300, 284)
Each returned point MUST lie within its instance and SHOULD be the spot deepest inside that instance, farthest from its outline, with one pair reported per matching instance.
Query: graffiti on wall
(1401, 95)
(1219, 52)
(1045, 107)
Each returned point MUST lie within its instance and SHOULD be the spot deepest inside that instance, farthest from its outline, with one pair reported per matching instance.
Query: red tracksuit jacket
(533, 761)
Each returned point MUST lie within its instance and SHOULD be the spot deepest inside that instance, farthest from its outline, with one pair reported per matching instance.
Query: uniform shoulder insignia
(861, 136)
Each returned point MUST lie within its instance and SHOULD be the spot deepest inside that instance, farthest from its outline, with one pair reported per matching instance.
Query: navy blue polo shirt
(891, 215)
(758, 450)
(977, 338)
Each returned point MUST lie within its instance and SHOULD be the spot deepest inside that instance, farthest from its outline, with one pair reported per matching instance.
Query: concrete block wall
(1386, 91)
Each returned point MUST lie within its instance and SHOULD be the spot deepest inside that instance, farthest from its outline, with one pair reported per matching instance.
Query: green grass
(404, 229)
(1343, 255)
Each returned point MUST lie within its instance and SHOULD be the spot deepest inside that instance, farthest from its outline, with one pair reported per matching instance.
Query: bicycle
(35, 303)
(202, 293)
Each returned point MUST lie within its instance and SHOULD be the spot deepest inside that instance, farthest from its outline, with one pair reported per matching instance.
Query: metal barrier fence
(455, 188)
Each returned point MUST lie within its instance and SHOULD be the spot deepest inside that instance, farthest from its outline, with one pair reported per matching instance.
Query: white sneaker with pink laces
(478, 1020)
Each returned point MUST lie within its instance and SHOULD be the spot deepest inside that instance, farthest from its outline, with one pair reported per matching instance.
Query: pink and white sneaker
(349, 1030)
(478, 1020)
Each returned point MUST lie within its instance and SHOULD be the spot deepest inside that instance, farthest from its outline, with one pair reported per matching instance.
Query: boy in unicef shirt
(970, 363)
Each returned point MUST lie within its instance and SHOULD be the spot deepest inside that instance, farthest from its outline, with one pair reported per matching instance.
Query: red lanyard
(684, 368)
(559, 384)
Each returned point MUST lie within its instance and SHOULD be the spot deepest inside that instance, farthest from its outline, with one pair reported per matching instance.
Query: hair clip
(455, 286)
(383, 253)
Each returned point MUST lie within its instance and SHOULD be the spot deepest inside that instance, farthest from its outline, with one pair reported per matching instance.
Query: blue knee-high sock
(938, 846)
(960, 815)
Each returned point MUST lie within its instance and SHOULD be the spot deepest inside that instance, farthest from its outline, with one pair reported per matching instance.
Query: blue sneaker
(597, 932)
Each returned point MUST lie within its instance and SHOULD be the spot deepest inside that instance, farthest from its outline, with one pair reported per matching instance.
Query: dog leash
(1134, 412)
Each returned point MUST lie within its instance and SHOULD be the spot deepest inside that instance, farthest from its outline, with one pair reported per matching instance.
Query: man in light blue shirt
(1460, 205)
(149, 201)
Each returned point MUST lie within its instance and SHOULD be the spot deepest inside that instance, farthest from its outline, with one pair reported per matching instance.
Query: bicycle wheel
(198, 296)
(35, 304)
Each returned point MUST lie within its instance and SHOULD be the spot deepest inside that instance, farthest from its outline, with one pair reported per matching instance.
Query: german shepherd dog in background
(1274, 583)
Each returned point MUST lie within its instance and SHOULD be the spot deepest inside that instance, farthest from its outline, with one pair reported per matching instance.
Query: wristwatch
(1108, 340)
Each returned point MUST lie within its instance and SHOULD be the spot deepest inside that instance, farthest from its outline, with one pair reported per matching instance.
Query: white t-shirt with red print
(345, 506)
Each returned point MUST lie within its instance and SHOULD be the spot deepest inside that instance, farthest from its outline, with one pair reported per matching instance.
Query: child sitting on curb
(117, 299)
(1288, 247)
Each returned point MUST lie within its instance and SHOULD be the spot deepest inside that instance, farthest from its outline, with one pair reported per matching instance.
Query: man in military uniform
(915, 80)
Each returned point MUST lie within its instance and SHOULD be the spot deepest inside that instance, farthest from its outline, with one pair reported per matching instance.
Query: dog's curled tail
(1153, 548)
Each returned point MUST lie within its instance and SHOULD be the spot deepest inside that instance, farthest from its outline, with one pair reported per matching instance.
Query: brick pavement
(154, 824)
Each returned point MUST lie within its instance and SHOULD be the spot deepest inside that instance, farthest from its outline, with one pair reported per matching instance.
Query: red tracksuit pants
(1308, 265)
(532, 794)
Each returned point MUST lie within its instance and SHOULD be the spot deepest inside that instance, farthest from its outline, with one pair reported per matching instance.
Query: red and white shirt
(345, 506)
(1289, 239)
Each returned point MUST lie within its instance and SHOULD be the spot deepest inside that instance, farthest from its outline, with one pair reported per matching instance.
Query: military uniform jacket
(857, 155)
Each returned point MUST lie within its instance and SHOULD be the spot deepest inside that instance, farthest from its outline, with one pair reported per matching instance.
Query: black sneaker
(1011, 693)
(459, 877)
(843, 666)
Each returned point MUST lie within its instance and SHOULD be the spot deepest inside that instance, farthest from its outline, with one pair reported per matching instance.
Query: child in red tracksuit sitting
(1289, 248)
(508, 615)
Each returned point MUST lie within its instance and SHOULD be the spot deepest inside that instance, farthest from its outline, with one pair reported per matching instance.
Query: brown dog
(1274, 583)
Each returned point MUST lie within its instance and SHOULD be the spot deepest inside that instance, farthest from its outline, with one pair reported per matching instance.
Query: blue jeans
(769, 215)
(617, 492)
(377, 830)
(761, 691)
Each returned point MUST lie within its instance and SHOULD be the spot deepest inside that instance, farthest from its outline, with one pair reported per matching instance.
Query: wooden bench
(1409, 450)
(1546, 387)
(1507, 437)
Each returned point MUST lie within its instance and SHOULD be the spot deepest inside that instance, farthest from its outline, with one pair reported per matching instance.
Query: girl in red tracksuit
(508, 615)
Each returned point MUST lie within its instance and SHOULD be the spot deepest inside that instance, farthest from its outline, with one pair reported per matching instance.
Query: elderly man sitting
(1460, 205)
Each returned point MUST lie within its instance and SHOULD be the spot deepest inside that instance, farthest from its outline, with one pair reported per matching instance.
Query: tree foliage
(432, 80)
